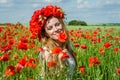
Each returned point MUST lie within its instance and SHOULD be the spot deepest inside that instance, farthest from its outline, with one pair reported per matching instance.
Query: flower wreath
(40, 16)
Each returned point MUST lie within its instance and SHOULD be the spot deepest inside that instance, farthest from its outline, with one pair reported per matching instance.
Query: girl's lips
(56, 33)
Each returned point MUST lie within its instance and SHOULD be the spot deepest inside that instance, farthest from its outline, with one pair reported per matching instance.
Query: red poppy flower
(72, 39)
(19, 67)
(22, 46)
(22, 61)
(99, 29)
(24, 39)
(107, 45)
(31, 79)
(51, 64)
(118, 70)
(5, 48)
(94, 39)
(88, 36)
(4, 57)
(56, 50)
(76, 44)
(21, 64)
(83, 46)
(64, 55)
(99, 40)
(10, 71)
(15, 56)
(31, 63)
(11, 40)
(71, 32)
(1, 29)
(117, 37)
(40, 49)
(93, 61)
(81, 69)
(116, 49)
(101, 50)
(33, 36)
(62, 37)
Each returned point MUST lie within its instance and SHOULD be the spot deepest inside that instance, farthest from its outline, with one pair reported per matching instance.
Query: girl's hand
(63, 56)
(64, 50)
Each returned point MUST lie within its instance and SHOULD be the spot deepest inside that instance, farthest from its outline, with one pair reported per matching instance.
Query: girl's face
(53, 27)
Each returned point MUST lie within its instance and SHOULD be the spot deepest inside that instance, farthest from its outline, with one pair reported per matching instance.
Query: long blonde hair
(49, 43)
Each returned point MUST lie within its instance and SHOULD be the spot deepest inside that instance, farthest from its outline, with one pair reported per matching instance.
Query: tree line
(77, 22)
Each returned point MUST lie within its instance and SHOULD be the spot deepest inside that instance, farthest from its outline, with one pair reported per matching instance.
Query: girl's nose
(55, 29)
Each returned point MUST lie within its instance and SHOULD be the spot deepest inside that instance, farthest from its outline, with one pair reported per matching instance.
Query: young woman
(48, 24)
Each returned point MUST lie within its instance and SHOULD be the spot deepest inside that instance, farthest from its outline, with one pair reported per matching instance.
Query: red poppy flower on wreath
(62, 37)
(40, 16)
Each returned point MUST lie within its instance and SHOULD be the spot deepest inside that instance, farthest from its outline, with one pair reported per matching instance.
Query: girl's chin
(55, 38)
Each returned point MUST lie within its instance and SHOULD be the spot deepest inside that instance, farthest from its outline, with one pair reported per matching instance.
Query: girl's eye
(57, 24)
(49, 28)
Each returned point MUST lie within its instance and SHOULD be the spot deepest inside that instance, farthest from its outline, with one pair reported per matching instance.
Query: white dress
(70, 62)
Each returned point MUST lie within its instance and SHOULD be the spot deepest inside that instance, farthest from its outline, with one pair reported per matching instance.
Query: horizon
(92, 12)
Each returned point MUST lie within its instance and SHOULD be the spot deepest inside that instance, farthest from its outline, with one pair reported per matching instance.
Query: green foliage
(76, 22)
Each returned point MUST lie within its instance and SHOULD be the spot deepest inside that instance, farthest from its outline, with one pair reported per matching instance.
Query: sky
(90, 11)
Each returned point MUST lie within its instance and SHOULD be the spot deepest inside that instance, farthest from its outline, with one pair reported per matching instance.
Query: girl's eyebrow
(55, 22)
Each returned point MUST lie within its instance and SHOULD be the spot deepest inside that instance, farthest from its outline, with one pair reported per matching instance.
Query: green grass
(92, 27)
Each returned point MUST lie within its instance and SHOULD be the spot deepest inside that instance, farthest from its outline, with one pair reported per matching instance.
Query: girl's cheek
(49, 32)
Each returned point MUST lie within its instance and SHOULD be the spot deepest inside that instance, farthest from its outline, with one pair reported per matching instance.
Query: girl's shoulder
(43, 49)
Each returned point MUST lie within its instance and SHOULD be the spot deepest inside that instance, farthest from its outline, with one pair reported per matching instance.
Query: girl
(48, 24)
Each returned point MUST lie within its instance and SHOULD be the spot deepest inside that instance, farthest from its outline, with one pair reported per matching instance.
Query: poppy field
(97, 50)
